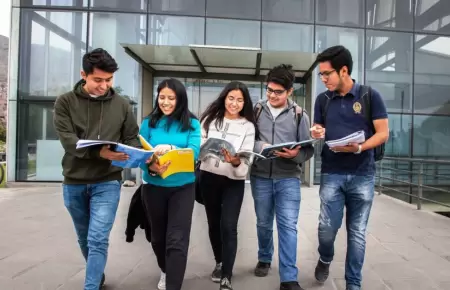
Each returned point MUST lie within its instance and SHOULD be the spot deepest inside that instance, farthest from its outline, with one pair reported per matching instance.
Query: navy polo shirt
(345, 115)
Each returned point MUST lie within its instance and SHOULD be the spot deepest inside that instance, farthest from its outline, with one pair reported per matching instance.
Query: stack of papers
(357, 137)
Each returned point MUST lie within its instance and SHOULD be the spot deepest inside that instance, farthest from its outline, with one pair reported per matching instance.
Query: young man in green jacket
(91, 187)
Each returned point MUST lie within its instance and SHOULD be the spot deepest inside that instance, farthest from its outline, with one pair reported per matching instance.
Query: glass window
(288, 10)
(64, 3)
(432, 15)
(176, 30)
(39, 150)
(119, 5)
(431, 136)
(246, 9)
(351, 38)
(389, 67)
(396, 14)
(241, 33)
(286, 36)
(340, 12)
(180, 7)
(399, 143)
(432, 75)
(120, 28)
(48, 40)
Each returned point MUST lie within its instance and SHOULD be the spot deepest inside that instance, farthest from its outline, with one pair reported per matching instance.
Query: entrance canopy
(218, 62)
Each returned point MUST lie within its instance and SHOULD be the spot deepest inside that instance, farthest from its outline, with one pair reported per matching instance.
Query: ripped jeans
(356, 194)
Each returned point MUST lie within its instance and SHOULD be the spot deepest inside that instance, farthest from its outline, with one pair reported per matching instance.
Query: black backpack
(366, 97)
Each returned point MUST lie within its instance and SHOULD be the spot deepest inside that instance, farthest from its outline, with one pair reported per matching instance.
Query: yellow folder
(181, 160)
(145, 144)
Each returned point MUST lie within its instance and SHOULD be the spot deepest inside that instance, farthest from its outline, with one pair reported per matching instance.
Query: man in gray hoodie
(276, 182)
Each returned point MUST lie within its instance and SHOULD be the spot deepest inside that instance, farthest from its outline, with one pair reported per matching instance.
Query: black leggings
(223, 200)
(169, 211)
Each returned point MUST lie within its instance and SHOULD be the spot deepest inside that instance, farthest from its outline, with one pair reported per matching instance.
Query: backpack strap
(257, 111)
(366, 98)
(324, 107)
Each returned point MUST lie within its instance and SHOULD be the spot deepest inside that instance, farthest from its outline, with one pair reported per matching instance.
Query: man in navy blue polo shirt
(348, 172)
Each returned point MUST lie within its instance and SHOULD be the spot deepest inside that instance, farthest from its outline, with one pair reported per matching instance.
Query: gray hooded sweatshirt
(282, 129)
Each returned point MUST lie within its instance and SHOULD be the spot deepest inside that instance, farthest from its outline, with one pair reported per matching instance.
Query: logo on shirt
(357, 108)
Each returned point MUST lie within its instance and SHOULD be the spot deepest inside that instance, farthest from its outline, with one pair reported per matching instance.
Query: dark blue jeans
(280, 197)
(93, 210)
(356, 194)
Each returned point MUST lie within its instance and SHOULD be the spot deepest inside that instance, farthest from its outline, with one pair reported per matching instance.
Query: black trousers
(223, 200)
(169, 211)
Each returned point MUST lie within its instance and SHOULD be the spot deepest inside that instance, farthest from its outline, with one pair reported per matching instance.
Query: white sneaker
(162, 282)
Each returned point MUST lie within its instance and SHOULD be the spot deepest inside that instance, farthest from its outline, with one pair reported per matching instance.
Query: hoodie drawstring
(101, 121)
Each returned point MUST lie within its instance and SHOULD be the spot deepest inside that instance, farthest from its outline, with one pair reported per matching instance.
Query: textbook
(213, 148)
(268, 152)
(137, 156)
(357, 137)
(181, 160)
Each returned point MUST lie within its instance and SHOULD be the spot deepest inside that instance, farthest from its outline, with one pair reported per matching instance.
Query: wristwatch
(359, 149)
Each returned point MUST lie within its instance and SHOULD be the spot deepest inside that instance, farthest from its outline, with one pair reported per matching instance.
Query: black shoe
(102, 283)
(225, 284)
(217, 273)
(262, 269)
(290, 286)
(322, 271)
(352, 287)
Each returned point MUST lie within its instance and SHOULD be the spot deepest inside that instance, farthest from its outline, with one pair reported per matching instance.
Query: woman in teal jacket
(169, 202)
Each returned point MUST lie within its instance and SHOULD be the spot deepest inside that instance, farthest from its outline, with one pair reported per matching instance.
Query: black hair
(282, 75)
(181, 112)
(338, 56)
(216, 110)
(100, 59)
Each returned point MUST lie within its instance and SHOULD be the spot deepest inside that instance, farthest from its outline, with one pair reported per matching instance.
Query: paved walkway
(406, 248)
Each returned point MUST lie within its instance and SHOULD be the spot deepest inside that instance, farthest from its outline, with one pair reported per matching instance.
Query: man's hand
(106, 153)
(350, 148)
(157, 168)
(288, 153)
(234, 160)
(317, 132)
(162, 149)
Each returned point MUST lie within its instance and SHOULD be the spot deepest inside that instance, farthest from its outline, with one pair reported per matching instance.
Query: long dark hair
(216, 110)
(181, 112)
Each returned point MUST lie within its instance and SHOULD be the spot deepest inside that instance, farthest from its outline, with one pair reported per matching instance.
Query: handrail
(420, 184)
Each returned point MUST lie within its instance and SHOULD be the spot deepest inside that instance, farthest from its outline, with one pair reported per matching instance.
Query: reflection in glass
(390, 14)
(400, 127)
(68, 3)
(351, 38)
(181, 7)
(175, 30)
(48, 40)
(341, 12)
(389, 67)
(39, 150)
(121, 28)
(224, 32)
(245, 9)
(432, 75)
(432, 15)
(120, 5)
(431, 136)
(288, 10)
(287, 36)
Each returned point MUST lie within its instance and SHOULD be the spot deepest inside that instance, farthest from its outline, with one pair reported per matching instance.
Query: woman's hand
(162, 149)
(157, 168)
(234, 160)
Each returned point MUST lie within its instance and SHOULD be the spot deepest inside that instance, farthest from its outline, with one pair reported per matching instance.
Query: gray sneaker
(217, 273)
(225, 284)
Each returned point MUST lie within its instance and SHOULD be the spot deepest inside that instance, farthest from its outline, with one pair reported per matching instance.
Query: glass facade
(400, 47)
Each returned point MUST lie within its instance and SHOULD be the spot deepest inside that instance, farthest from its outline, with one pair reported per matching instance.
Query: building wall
(401, 48)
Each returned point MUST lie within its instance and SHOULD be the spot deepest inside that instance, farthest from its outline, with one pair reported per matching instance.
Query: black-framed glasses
(326, 74)
(276, 92)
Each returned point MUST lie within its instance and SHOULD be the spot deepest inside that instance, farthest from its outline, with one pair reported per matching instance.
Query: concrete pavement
(406, 248)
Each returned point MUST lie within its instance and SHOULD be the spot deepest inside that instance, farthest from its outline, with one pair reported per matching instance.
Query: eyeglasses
(326, 74)
(276, 92)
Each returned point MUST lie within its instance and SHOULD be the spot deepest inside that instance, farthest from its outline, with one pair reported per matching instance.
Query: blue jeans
(280, 197)
(356, 193)
(93, 210)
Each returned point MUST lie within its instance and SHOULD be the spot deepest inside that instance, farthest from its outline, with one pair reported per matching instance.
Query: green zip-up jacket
(77, 116)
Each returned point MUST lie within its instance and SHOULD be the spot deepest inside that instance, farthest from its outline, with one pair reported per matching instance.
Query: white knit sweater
(240, 133)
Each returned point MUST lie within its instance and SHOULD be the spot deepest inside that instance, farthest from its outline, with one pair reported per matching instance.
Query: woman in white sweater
(222, 183)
